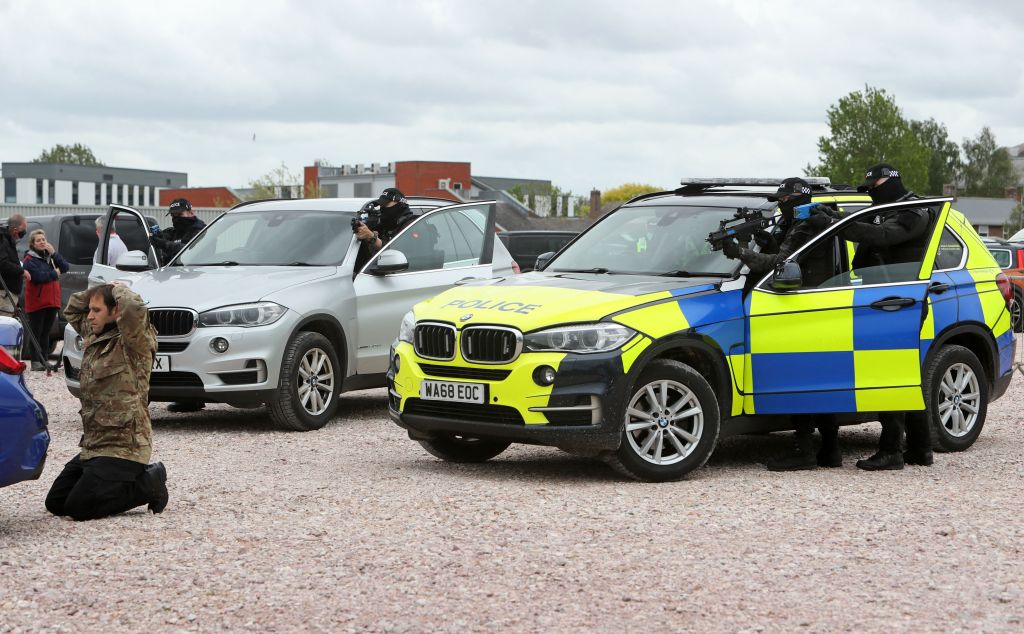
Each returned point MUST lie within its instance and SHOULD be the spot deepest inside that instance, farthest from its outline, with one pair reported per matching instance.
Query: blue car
(23, 435)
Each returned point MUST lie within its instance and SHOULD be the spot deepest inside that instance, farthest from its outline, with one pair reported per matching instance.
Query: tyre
(464, 448)
(307, 395)
(670, 426)
(957, 390)
(1016, 309)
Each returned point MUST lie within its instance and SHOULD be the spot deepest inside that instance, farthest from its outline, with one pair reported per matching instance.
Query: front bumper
(580, 413)
(246, 374)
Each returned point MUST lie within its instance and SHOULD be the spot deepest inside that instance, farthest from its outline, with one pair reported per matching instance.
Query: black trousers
(917, 428)
(40, 322)
(95, 488)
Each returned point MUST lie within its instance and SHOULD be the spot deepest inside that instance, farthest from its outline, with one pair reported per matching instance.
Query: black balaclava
(788, 207)
(389, 216)
(889, 191)
(182, 223)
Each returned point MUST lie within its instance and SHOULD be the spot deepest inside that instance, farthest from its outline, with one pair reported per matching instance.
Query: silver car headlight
(581, 338)
(405, 333)
(244, 315)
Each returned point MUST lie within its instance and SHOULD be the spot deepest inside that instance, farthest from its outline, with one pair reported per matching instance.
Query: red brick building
(201, 196)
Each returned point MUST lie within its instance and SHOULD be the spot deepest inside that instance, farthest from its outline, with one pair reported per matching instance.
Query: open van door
(125, 239)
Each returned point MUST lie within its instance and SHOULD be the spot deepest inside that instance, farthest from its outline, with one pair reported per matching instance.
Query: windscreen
(273, 238)
(650, 240)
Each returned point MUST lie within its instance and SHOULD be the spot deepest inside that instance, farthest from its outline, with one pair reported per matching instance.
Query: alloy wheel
(664, 422)
(959, 399)
(316, 381)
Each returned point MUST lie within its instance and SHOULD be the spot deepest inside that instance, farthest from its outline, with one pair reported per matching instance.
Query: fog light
(219, 345)
(544, 375)
(397, 363)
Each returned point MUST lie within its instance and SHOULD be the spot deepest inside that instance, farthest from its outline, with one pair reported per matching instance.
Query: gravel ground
(356, 528)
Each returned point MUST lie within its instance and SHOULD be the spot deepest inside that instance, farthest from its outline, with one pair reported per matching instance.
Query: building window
(74, 192)
(152, 196)
(361, 190)
(10, 190)
(120, 194)
(39, 191)
(50, 196)
(456, 187)
(131, 195)
(110, 193)
(97, 191)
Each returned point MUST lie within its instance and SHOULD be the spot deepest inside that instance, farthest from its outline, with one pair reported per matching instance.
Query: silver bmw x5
(276, 303)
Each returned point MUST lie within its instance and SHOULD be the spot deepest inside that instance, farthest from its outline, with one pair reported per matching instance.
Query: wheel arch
(329, 327)
(698, 353)
(977, 338)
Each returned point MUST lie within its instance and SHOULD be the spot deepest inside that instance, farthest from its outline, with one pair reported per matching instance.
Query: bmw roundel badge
(466, 317)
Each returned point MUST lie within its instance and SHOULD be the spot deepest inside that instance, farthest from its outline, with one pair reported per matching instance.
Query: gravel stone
(355, 528)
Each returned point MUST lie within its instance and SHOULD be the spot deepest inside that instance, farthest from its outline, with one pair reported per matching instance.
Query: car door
(849, 339)
(131, 228)
(443, 247)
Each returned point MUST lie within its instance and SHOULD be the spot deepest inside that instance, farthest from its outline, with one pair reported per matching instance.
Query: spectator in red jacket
(42, 292)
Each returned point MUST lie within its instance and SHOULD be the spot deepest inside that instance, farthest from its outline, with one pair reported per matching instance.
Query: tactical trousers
(917, 429)
(95, 488)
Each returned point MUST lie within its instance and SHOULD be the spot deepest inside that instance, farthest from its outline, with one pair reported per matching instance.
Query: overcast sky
(586, 94)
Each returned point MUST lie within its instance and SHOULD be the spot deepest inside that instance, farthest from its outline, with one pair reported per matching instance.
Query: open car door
(125, 240)
(440, 249)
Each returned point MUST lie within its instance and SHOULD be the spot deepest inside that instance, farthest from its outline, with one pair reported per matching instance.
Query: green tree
(988, 169)
(867, 127)
(76, 154)
(627, 191)
(269, 185)
(945, 163)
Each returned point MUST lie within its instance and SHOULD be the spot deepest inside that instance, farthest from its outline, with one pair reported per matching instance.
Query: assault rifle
(368, 215)
(742, 226)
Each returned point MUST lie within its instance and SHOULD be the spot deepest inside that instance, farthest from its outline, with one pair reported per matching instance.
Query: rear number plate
(162, 363)
(451, 391)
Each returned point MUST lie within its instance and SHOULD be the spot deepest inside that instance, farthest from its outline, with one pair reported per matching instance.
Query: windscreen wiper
(597, 269)
(684, 273)
(224, 263)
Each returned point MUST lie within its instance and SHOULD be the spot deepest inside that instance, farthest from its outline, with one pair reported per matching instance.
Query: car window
(951, 252)
(273, 238)
(650, 240)
(532, 246)
(22, 244)
(1002, 257)
(828, 265)
(134, 235)
(78, 240)
(443, 239)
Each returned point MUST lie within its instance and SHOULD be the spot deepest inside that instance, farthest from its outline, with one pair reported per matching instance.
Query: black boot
(830, 454)
(890, 452)
(919, 440)
(154, 481)
(801, 457)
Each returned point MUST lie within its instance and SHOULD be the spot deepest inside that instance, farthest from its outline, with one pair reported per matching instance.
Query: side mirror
(542, 260)
(133, 261)
(390, 261)
(787, 277)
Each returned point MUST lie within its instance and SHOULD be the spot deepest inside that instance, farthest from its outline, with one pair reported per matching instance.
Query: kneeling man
(112, 473)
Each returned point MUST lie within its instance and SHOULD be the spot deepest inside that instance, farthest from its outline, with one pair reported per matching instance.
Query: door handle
(893, 303)
(938, 288)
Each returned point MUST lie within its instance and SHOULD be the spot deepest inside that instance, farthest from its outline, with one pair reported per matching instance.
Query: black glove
(731, 249)
(766, 241)
(819, 220)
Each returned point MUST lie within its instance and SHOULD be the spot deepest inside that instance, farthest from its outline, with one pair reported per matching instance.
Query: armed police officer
(895, 239)
(184, 226)
(395, 215)
(792, 193)
(111, 474)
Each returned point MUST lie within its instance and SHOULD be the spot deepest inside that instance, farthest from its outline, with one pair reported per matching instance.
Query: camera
(369, 215)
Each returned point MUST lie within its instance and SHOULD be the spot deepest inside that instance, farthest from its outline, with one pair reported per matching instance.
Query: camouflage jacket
(114, 379)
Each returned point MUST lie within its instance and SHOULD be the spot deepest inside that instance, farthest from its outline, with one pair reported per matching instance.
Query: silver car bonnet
(204, 287)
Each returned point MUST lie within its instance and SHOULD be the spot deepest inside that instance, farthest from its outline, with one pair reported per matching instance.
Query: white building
(64, 184)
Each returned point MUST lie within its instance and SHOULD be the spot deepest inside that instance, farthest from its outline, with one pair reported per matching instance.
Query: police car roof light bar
(748, 182)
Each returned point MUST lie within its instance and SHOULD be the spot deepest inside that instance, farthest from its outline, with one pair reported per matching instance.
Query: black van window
(78, 240)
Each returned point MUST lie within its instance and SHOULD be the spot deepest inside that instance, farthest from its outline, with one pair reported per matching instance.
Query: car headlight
(244, 315)
(408, 327)
(582, 338)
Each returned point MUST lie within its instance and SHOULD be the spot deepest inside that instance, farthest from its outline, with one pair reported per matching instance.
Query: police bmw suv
(277, 303)
(640, 344)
